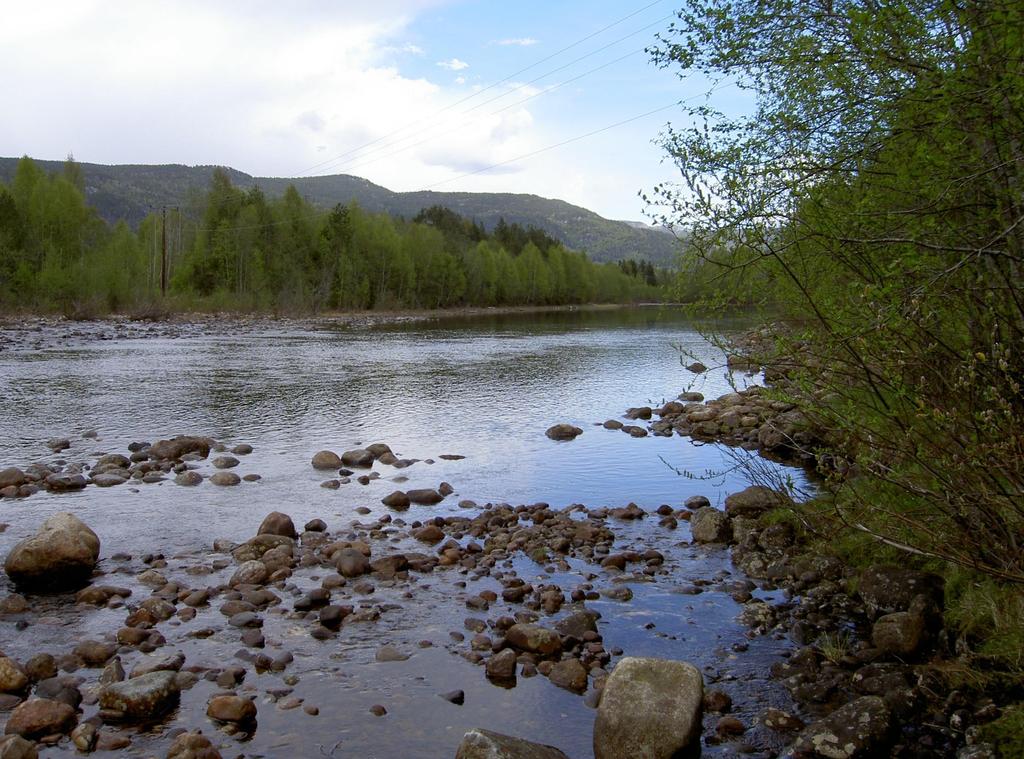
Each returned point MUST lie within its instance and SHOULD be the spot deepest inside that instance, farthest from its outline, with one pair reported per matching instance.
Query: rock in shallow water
(326, 460)
(38, 717)
(483, 744)
(192, 746)
(650, 709)
(563, 432)
(709, 525)
(141, 698)
(276, 523)
(61, 555)
(231, 709)
(16, 747)
(534, 638)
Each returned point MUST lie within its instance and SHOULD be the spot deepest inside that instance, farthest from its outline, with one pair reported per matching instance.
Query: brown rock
(276, 523)
(39, 717)
(231, 709)
(60, 555)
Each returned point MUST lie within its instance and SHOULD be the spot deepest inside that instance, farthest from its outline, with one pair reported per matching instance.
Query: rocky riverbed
(142, 652)
(391, 622)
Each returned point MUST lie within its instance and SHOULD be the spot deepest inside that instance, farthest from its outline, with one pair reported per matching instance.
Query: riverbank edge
(327, 318)
(847, 615)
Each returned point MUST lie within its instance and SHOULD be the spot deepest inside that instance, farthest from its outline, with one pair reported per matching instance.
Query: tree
(876, 186)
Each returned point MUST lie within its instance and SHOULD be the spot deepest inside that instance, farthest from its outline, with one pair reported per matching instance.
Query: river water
(484, 387)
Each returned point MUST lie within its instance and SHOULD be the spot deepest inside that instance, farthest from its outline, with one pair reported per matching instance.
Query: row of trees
(238, 249)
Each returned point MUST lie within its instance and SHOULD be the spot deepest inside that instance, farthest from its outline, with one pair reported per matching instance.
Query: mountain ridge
(130, 191)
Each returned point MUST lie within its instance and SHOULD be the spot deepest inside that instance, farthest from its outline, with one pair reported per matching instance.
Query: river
(484, 387)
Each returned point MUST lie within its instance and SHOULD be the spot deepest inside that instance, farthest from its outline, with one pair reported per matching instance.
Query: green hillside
(130, 191)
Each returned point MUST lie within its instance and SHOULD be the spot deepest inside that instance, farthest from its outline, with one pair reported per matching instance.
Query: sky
(450, 95)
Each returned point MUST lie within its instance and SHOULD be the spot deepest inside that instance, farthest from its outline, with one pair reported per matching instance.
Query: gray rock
(61, 555)
(886, 589)
(754, 501)
(141, 698)
(189, 479)
(108, 480)
(709, 525)
(577, 624)
(225, 479)
(900, 633)
(390, 653)
(483, 744)
(860, 729)
(650, 709)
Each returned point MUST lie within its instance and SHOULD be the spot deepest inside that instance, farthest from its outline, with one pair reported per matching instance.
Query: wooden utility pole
(163, 253)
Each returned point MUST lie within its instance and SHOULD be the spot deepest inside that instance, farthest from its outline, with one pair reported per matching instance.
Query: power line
(484, 89)
(336, 168)
(545, 91)
(499, 164)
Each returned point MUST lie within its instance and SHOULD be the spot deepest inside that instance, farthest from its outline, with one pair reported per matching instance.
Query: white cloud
(276, 91)
(412, 49)
(518, 41)
(453, 65)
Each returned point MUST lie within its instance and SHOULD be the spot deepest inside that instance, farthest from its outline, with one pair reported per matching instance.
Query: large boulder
(886, 589)
(61, 555)
(276, 523)
(860, 729)
(900, 633)
(650, 709)
(754, 501)
(39, 717)
(483, 744)
(141, 698)
(710, 525)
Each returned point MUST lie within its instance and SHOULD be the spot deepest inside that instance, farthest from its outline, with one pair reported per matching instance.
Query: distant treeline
(236, 249)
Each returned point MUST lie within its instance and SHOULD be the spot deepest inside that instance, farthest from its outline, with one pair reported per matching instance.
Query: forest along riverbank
(873, 657)
(394, 620)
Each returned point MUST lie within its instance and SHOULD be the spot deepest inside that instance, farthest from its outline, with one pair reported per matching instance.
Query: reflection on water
(485, 388)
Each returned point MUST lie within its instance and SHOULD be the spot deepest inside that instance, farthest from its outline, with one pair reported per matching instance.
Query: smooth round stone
(225, 479)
